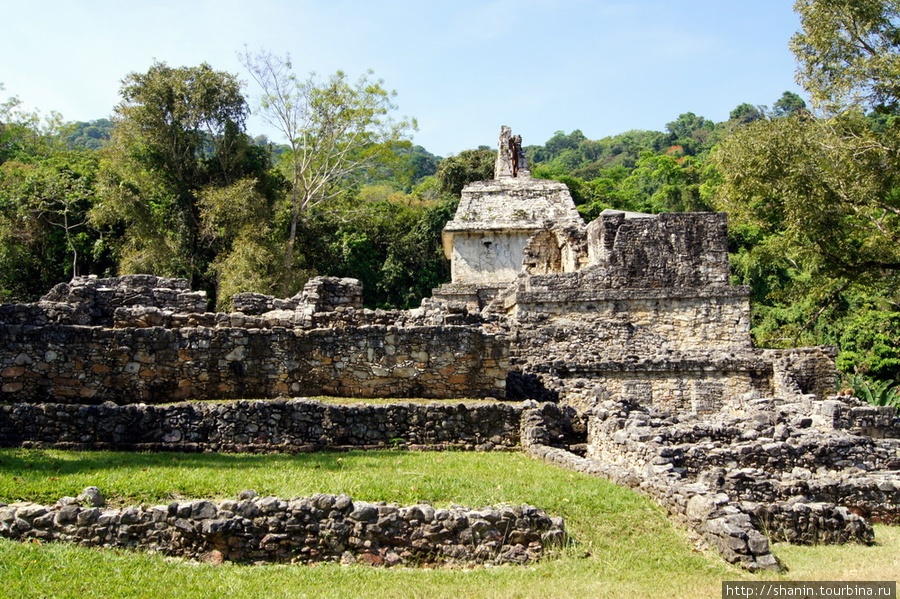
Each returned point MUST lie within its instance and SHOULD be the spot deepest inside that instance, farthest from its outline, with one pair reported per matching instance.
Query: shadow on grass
(25, 461)
(30, 462)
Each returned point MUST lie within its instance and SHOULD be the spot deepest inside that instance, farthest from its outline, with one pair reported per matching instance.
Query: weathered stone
(92, 497)
(375, 537)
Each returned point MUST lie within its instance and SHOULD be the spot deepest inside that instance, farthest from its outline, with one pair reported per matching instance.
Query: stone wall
(147, 339)
(688, 249)
(320, 294)
(865, 419)
(277, 425)
(559, 247)
(780, 467)
(643, 322)
(764, 441)
(757, 471)
(93, 300)
(93, 364)
(300, 530)
(698, 387)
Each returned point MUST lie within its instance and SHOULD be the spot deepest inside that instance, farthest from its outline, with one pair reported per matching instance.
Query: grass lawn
(625, 545)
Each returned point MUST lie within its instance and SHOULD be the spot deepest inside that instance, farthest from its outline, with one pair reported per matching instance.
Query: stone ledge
(261, 426)
(321, 528)
(556, 296)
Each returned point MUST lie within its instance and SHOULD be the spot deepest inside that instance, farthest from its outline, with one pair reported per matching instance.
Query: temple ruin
(624, 344)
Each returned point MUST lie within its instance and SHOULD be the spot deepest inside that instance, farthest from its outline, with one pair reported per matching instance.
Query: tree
(44, 233)
(789, 103)
(690, 131)
(336, 129)
(822, 198)
(686, 124)
(468, 166)
(178, 132)
(27, 135)
(236, 223)
(827, 187)
(848, 53)
(745, 113)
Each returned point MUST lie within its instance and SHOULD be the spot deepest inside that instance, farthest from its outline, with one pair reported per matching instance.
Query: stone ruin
(624, 335)
(632, 306)
(275, 530)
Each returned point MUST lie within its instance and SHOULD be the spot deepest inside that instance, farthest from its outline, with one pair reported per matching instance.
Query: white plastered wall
(488, 257)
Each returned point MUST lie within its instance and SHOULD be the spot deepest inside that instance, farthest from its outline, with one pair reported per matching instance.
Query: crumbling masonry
(624, 336)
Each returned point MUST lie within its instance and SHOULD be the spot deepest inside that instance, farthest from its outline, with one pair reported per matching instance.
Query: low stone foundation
(759, 470)
(302, 530)
(155, 365)
(260, 426)
(146, 339)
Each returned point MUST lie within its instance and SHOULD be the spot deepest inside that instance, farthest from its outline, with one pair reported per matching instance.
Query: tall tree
(826, 189)
(178, 131)
(44, 234)
(821, 196)
(336, 128)
(848, 52)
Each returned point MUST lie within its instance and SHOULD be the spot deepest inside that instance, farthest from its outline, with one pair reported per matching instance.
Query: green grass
(626, 546)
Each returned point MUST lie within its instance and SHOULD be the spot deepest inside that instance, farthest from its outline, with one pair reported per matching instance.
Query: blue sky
(462, 68)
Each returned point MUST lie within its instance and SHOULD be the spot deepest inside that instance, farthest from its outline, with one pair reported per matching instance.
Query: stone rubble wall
(691, 359)
(301, 530)
(93, 364)
(874, 496)
(260, 426)
(773, 438)
(696, 387)
(777, 466)
(736, 508)
(92, 301)
(803, 371)
(728, 530)
(665, 250)
(320, 294)
(455, 314)
(559, 247)
(865, 419)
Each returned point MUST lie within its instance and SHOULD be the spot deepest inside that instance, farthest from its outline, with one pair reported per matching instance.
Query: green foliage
(691, 132)
(92, 135)
(876, 392)
(825, 186)
(788, 104)
(868, 339)
(44, 234)
(236, 226)
(848, 53)
(391, 244)
(468, 166)
(817, 198)
(179, 134)
(745, 113)
(338, 132)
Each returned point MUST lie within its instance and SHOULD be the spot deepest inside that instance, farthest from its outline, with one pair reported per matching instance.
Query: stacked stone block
(261, 426)
(321, 528)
